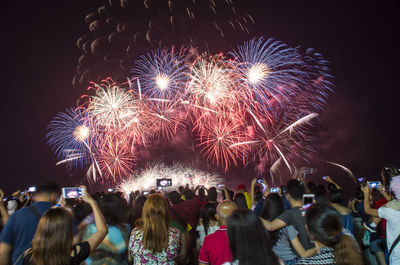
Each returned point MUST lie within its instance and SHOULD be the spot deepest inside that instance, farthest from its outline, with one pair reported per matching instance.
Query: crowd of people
(196, 225)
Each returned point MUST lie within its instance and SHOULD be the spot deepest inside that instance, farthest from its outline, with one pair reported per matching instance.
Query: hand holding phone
(72, 192)
(220, 186)
(308, 200)
(374, 184)
(275, 190)
(260, 180)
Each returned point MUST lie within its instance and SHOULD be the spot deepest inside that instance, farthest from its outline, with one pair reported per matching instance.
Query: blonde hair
(52, 243)
(155, 223)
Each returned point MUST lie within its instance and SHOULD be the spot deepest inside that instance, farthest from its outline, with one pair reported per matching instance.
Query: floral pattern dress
(143, 256)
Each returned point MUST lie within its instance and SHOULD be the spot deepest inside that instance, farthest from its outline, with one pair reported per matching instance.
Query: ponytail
(347, 251)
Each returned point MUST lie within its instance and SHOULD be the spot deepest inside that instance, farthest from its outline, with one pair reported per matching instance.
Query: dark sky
(359, 127)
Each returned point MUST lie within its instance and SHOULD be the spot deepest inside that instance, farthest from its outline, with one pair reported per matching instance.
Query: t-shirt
(113, 249)
(202, 232)
(21, 227)
(215, 249)
(294, 217)
(379, 203)
(325, 256)
(392, 217)
(78, 255)
(282, 247)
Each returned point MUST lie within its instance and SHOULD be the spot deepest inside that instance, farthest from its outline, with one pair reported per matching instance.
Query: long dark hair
(272, 208)
(208, 215)
(248, 241)
(325, 225)
(240, 200)
(52, 243)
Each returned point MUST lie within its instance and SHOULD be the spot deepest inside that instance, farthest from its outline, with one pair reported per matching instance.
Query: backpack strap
(35, 212)
(394, 244)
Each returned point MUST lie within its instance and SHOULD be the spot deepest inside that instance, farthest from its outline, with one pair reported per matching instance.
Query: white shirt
(392, 217)
(202, 233)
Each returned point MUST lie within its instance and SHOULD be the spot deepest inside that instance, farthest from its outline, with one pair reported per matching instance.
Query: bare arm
(274, 225)
(300, 249)
(329, 179)
(367, 208)
(253, 184)
(101, 226)
(226, 193)
(3, 210)
(5, 253)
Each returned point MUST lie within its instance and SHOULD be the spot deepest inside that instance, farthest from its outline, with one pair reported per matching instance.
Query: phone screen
(164, 182)
(361, 179)
(220, 186)
(308, 200)
(72, 192)
(32, 189)
(260, 180)
(274, 190)
(374, 184)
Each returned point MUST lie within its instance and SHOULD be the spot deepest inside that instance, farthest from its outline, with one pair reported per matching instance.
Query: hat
(241, 187)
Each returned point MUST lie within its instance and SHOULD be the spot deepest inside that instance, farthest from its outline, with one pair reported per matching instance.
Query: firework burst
(256, 105)
(162, 73)
(145, 180)
(70, 135)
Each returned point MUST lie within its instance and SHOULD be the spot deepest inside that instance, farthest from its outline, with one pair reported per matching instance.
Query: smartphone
(145, 193)
(220, 186)
(72, 192)
(189, 176)
(164, 182)
(308, 200)
(260, 180)
(110, 190)
(309, 171)
(275, 190)
(361, 179)
(32, 189)
(325, 178)
(374, 184)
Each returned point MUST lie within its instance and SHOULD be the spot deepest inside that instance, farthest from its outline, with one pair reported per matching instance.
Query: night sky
(359, 127)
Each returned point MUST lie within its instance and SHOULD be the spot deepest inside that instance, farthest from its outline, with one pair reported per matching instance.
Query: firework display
(145, 179)
(254, 104)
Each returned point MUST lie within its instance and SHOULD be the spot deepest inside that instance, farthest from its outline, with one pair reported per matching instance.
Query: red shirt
(215, 249)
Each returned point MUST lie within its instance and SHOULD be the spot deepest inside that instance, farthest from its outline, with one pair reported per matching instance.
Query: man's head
(47, 191)
(174, 197)
(224, 210)
(212, 194)
(294, 190)
(188, 193)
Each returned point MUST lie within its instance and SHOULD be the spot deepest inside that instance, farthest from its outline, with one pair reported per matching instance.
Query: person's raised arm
(330, 180)
(226, 193)
(367, 207)
(253, 185)
(101, 226)
(384, 193)
(3, 210)
(300, 249)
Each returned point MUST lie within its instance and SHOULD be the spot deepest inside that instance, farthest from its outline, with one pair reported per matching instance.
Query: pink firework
(115, 158)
